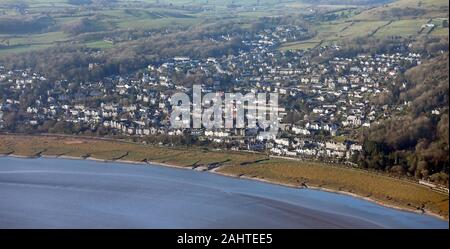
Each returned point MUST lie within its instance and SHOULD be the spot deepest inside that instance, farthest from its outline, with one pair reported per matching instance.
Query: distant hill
(347, 2)
(85, 2)
(406, 9)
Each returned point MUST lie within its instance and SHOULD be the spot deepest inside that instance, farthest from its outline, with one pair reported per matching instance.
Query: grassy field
(99, 44)
(361, 28)
(402, 27)
(377, 187)
(303, 45)
(27, 42)
(444, 32)
(432, 9)
(381, 22)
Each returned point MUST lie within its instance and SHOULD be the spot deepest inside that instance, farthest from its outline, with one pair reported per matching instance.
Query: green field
(431, 9)
(112, 19)
(402, 28)
(440, 32)
(99, 44)
(27, 42)
(353, 21)
(380, 22)
(303, 45)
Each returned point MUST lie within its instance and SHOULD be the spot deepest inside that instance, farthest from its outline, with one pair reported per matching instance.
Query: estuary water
(61, 193)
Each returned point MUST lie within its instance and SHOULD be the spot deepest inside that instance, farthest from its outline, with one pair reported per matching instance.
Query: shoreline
(215, 171)
(329, 190)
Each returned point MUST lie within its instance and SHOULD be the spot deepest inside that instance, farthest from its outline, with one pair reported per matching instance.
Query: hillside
(415, 140)
(406, 9)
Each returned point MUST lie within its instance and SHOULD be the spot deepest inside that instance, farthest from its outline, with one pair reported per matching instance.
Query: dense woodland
(414, 142)
(21, 25)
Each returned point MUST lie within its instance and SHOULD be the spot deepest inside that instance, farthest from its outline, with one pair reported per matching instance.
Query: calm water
(57, 193)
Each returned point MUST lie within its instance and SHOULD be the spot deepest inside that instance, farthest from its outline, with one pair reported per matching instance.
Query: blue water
(58, 193)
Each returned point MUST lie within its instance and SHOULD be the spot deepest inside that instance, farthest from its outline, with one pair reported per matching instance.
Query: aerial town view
(200, 114)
